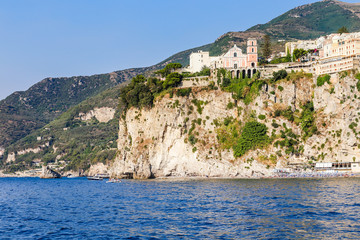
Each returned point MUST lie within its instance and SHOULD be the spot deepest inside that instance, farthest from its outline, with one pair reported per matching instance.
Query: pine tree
(266, 49)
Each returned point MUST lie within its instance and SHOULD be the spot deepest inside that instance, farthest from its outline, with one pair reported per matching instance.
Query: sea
(76, 208)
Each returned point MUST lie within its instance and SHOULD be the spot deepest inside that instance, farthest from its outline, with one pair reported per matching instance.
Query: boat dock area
(315, 175)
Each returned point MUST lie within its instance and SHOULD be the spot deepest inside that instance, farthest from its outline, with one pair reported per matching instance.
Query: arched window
(249, 73)
(252, 49)
(235, 54)
(253, 64)
(252, 43)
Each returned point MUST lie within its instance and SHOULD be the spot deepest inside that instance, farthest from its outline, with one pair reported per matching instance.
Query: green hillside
(23, 112)
(79, 143)
(311, 21)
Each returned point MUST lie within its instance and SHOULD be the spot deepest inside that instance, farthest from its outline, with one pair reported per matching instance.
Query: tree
(343, 29)
(172, 80)
(281, 74)
(299, 53)
(288, 56)
(138, 79)
(205, 71)
(266, 49)
(169, 68)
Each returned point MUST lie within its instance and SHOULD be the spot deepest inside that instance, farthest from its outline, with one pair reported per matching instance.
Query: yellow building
(339, 52)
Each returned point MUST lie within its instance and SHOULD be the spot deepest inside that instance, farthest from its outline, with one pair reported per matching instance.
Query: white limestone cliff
(104, 114)
(153, 142)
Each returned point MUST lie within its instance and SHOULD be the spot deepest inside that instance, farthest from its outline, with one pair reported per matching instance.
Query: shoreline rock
(49, 173)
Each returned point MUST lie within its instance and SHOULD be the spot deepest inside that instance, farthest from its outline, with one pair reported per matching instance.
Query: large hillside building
(340, 52)
(234, 59)
(337, 52)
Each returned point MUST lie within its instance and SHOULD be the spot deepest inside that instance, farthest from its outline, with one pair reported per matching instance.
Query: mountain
(313, 20)
(86, 133)
(23, 112)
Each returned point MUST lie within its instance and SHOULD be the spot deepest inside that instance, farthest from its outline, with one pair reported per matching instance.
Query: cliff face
(152, 142)
(338, 113)
(155, 142)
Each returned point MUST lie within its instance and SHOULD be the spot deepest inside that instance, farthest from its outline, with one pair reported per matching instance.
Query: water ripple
(215, 209)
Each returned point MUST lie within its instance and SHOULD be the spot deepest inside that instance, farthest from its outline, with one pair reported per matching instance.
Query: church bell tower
(252, 53)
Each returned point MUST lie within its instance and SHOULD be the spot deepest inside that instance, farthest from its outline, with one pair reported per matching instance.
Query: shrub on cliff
(357, 76)
(183, 92)
(296, 76)
(253, 135)
(228, 132)
(172, 80)
(262, 117)
(281, 74)
(244, 89)
(321, 80)
(307, 120)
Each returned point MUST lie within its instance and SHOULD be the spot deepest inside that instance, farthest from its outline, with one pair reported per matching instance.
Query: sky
(64, 38)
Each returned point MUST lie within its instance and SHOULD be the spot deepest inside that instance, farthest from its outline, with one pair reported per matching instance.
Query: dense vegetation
(306, 119)
(321, 80)
(205, 71)
(78, 143)
(281, 74)
(169, 68)
(253, 135)
(242, 138)
(289, 141)
(140, 92)
(245, 89)
(281, 59)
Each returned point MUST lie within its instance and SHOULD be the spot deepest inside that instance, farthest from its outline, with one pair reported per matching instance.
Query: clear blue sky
(53, 38)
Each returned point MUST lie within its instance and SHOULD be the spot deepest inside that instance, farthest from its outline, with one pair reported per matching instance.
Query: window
(252, 49)
(252, 43)
(235, 65)
(235, 54)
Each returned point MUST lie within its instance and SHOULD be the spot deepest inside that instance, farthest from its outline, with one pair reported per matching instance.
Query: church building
(233, 60)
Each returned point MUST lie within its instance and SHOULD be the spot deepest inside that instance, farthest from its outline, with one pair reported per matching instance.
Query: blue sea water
(32, 208)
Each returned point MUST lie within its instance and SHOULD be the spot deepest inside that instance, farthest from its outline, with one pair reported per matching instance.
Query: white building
(200, 59)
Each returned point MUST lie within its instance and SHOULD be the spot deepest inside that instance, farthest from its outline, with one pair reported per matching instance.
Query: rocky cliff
(49, 173)
(194, 135)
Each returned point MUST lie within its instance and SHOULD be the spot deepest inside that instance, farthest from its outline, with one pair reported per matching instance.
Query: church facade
(233, 60)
